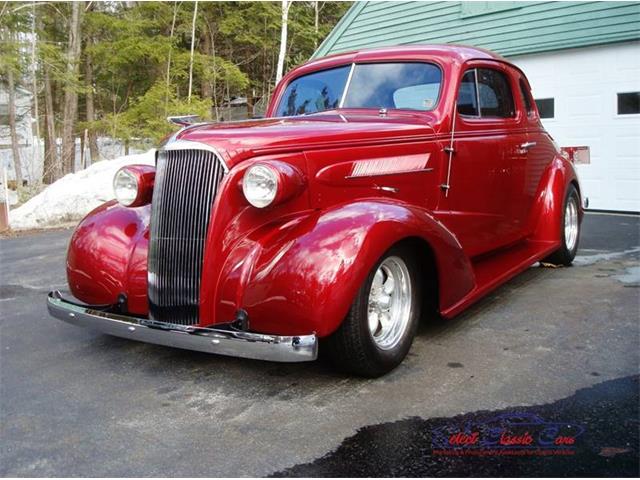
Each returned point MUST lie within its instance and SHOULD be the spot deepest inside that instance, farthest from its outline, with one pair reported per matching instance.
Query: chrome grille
(184, 190)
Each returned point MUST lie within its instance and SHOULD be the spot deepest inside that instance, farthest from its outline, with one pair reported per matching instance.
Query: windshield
(399, 85)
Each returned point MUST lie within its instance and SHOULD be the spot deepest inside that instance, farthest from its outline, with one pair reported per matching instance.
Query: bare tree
(17, 162)
(193, 42)
(168, 80)
(90, 110)
(71, 95)
(315, 23)
(52, 168)
(283, 39)
(205, 86)
(34, 87)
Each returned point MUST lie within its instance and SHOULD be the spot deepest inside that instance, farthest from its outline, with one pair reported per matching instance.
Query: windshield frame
(347, 85)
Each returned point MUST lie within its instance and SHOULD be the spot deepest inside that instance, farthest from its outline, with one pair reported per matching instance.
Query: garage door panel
(584, 84)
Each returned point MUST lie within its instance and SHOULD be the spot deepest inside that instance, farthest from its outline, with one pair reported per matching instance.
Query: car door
(479, 206)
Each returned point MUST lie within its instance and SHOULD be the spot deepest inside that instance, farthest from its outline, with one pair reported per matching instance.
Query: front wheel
(570, 230)
(378, 331)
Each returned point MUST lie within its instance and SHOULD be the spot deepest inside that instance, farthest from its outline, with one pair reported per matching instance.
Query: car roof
(446, 53)
(462, 53)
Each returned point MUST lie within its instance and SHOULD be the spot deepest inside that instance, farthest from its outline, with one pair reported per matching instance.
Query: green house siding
(508, 28)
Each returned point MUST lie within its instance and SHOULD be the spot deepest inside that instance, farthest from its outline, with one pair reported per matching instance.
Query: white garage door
(584, 85)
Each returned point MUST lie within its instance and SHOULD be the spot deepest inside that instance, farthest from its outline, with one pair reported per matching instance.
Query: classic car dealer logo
(507, 434)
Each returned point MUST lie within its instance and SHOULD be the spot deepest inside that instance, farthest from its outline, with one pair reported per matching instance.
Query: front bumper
(259, 346)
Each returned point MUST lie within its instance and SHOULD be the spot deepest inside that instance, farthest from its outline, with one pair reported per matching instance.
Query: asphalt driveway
(557, 345)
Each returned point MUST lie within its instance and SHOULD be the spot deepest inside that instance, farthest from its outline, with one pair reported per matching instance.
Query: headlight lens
(125, 187)
(260, 185)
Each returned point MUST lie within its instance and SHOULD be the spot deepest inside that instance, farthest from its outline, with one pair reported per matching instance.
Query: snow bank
(74, 195)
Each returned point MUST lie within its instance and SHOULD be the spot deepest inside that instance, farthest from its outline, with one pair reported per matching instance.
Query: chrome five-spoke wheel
(389, 306)
(571, 223)
(569, 229)
(378, 331)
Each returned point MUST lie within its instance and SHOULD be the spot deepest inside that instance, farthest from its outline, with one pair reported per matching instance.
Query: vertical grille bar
(185, 187)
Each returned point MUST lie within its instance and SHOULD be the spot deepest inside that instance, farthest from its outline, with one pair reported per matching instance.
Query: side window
(496, 99)
(467, 95)
(486, 93)
(526, 99)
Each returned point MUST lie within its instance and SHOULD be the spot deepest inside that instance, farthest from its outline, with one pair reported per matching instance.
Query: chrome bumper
(274, 348)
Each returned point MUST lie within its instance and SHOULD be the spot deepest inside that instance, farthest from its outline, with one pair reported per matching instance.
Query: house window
(628, 103)
(546, 107)
(488, 90)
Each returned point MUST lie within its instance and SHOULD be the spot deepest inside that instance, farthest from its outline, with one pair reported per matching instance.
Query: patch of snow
(74, 195)
(631, 276)
(583, 260)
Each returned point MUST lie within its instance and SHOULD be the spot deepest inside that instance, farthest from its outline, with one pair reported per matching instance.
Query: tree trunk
(193, 43)
(206, 83)
(168, 79)
(283, 39)
(315, 25)
(15, 148)
(92, 138)
(215, 77)
(52, 168)
(71, 95)
(34, 90)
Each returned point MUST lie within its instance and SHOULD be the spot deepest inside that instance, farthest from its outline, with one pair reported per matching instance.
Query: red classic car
(381, 184)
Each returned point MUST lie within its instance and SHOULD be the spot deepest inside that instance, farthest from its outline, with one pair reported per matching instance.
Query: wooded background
(118, 69)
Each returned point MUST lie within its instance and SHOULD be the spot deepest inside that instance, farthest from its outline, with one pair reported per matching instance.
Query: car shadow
(257, 379)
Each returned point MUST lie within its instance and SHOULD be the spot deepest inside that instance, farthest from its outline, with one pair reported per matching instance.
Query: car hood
(240, 140)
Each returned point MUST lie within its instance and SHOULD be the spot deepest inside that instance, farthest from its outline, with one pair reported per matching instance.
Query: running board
(494, 270)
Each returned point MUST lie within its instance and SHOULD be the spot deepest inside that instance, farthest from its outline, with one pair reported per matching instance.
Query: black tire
(352, 348)
(565, 254)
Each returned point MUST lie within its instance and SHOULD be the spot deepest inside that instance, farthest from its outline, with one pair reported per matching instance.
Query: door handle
(527, 145)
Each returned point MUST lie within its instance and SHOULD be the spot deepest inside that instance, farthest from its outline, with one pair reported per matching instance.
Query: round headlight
(125, 187)
(260, 185)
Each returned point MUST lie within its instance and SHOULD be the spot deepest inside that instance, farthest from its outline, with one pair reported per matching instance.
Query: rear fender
(546, 216)
(301, 276)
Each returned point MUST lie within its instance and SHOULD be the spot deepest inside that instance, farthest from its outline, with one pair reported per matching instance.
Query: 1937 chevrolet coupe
(381, 184)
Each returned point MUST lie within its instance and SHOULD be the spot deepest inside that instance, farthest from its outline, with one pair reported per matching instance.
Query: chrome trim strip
(475, 76)
(274, 348)
(346, 85)
(191, 145)
(399, 172)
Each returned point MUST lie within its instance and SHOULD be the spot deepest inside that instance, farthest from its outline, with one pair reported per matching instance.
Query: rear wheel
(377, 333)
(570, 230)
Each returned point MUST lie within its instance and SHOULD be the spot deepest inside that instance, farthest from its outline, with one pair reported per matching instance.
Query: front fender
(107, 256)
(301, 276)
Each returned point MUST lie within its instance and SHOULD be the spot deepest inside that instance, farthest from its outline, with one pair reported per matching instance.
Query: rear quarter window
(485, 93)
